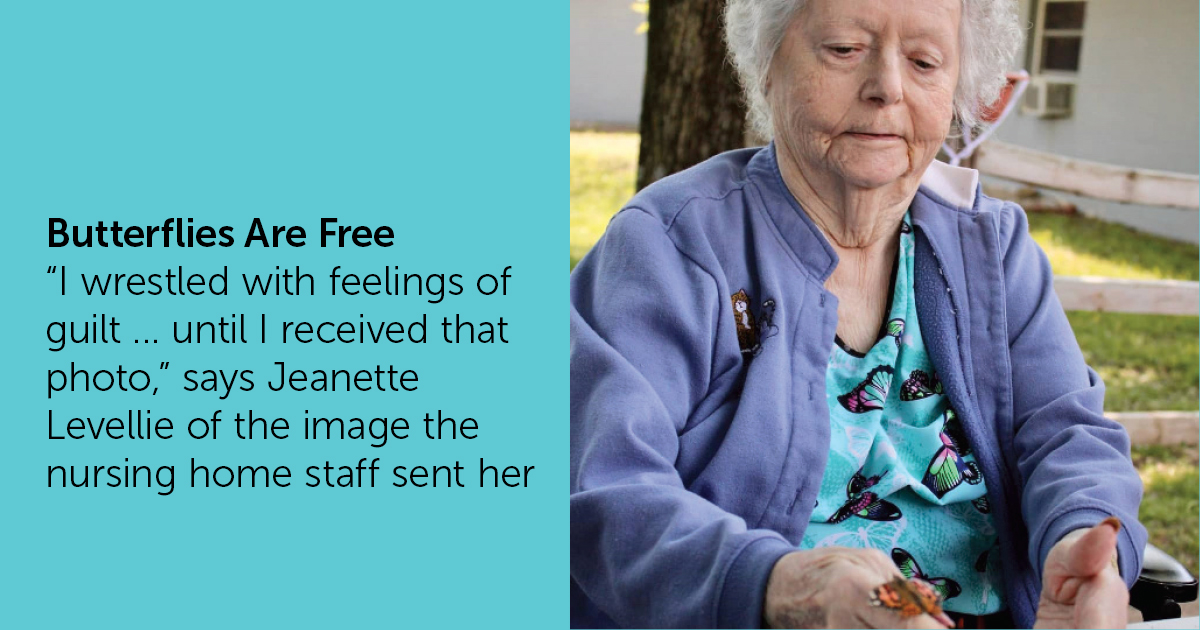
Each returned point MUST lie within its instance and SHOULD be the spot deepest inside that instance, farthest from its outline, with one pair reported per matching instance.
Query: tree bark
(692, 105)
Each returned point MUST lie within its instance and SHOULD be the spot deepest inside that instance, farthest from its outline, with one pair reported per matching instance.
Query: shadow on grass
(1148, 362)
(1170, 505)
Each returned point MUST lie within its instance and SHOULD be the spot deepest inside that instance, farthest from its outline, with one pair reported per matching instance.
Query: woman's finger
(1094, 550)
(1103, 602)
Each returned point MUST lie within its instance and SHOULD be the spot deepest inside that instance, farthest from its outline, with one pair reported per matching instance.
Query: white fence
(1090, 293)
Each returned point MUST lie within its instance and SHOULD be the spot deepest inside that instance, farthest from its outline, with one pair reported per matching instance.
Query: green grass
(1081, 246)
(1169, 507)
(604, 165)
(1148, 362)
(603, 169)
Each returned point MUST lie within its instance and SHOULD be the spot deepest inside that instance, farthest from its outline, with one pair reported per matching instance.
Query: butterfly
(909, 598)
(895, 328)
(945, 587)
(868, 535)
(859, 441)
(981, 567)
(954, 430)
(981, 562)
(919, 385)
(905, 228)
(869, 394)
(947, 469)
(970, 517)
(864, 504)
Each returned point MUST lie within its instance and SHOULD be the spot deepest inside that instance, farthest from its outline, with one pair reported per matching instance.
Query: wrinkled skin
(1081, 587)
(862, 95)
(831, 588)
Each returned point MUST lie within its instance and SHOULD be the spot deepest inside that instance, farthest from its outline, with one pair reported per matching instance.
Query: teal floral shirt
(901, 477)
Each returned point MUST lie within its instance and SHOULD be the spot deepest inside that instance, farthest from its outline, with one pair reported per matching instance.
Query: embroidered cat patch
(752, 330)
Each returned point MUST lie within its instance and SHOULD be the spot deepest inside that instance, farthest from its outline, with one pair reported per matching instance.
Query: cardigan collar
(943, 187)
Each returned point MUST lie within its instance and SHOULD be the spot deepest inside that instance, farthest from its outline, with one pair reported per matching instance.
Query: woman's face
(863, 90)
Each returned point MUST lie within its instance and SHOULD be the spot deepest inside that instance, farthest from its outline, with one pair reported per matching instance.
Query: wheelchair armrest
(1163, 584)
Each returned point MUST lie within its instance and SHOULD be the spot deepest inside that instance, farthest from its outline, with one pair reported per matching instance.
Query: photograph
(884, 313)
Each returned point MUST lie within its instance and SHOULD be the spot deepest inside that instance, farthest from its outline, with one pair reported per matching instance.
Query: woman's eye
(922, 64)
(842, 50)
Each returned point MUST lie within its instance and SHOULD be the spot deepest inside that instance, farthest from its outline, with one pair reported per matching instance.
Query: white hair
(989, 35)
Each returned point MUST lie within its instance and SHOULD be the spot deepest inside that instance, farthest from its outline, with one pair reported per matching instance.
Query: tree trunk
(692, 106)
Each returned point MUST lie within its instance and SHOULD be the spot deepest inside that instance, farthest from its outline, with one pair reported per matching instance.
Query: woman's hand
(831, 588)
(1080, 584)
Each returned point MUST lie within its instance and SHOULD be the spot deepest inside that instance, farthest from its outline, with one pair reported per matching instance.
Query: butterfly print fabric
(919, 385)
(945, 587)
(870, 393)
(901, 476)
(863, 503)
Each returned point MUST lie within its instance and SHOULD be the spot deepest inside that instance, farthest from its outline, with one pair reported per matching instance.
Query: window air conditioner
(1048, 97)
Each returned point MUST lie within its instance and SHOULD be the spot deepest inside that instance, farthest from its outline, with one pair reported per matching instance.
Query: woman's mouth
(873, 137)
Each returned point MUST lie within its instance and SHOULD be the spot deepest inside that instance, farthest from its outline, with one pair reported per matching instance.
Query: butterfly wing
(870, 393)
(853, 505)
(853, 401)
(981, 561)
(952, 428)
(868, 535)
(927, 598)
(884, 534)
(888, 595)
(879, 510)
(895, 329)
(919, 385)
(907, 597)
(859, 482)
(943, 474)
(879, 380)
(971, 473)
(906, 563)
(859, 441)
(945, 587)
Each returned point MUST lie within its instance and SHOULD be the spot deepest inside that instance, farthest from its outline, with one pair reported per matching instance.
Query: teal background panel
(445, 121)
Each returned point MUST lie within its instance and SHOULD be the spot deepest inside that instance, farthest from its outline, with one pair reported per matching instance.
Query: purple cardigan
(696, 455)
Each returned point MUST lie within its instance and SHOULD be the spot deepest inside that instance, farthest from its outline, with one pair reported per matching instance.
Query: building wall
(608, 63)
(1136, 103)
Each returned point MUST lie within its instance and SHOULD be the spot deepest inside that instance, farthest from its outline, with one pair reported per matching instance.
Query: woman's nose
(884, 83)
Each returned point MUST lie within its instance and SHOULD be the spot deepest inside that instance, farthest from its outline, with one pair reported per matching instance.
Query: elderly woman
(801, 372)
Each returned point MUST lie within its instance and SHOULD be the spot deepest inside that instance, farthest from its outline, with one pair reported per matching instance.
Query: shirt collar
(943, 187)
(802, 236)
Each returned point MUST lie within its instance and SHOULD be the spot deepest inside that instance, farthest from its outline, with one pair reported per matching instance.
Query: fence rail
(1089, 179)
(1160, 427)
(1155, 297)
(1090, 293)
